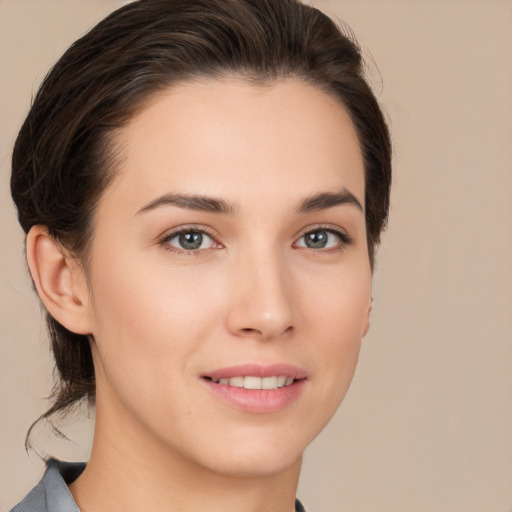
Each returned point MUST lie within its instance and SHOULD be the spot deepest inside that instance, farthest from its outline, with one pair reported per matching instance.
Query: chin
(258, 453)
(258, 465)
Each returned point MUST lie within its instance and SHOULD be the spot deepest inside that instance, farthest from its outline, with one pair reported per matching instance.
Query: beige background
(427, 424)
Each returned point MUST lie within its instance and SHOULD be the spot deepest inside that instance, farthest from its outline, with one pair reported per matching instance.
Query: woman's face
(229, 250)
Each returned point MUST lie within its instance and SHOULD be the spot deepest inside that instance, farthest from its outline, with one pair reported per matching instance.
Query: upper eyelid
(171, 233)
(338, 230)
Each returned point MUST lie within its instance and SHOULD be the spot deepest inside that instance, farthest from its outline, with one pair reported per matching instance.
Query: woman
(203, 185)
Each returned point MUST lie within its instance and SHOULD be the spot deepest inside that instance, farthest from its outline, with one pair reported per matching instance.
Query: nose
(262, 305)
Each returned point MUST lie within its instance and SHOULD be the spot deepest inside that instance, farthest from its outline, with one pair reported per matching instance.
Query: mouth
(255, 388)
(255, 382)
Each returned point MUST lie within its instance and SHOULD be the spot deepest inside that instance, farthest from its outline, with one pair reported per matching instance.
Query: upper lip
(257, 370)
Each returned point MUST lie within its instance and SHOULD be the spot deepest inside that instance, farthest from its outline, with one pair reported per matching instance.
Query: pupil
(316, 240)
(191, 241)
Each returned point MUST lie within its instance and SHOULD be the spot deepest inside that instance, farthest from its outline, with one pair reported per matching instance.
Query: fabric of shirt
(51, 494)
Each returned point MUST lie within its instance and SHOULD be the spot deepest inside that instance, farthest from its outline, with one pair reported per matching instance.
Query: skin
(160, 318)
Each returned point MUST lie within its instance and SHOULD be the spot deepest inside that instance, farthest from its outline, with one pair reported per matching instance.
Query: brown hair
(64, 158)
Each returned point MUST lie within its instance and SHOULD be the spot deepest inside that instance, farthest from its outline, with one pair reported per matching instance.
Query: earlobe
(60, 281)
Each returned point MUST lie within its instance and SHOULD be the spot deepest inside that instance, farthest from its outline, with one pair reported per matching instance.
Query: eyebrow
(209, 204)
(192, 202)
(327, 200)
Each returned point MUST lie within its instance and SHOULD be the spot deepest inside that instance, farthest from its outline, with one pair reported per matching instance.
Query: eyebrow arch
(328, 200)
(192, 202)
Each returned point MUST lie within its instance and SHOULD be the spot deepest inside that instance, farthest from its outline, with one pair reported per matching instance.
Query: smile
(257, 388)
(253, 382)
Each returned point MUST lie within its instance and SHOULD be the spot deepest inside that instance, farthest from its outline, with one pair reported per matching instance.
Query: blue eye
(190, 240)
(322, 239)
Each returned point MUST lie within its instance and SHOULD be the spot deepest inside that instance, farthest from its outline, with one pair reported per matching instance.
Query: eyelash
(344, 238)
(165, 239)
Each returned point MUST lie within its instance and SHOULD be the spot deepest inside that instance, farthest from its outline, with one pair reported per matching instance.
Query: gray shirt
(51, 494)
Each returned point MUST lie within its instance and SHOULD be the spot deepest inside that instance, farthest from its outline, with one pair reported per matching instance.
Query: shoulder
(51, 494)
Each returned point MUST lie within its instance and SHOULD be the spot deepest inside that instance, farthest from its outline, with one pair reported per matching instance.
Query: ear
(366, 326)
(60, 281)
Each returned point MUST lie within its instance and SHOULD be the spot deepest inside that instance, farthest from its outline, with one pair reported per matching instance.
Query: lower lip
(258, 400)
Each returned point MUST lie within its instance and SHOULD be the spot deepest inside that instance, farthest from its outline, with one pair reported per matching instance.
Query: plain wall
(427, 423)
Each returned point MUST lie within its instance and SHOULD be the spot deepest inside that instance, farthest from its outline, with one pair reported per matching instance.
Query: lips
(256, 388)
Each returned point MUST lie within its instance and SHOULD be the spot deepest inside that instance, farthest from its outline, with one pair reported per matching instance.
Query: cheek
(149, 300)
(337, 299)
(336, 307)
(149, 332)
(148, 324)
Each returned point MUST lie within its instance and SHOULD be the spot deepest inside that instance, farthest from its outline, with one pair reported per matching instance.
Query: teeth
(251, 382)
(269, 383)
(237, 382)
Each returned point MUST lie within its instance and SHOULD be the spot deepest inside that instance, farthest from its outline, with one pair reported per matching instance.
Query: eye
(323, 239)
(189, 240)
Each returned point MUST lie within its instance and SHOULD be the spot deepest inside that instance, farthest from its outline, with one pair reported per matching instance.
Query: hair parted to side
(64, 156)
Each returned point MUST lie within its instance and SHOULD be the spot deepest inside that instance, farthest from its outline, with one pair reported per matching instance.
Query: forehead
(232, 138)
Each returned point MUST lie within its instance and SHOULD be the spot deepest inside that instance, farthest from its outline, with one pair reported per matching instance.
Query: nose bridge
(263, 303)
